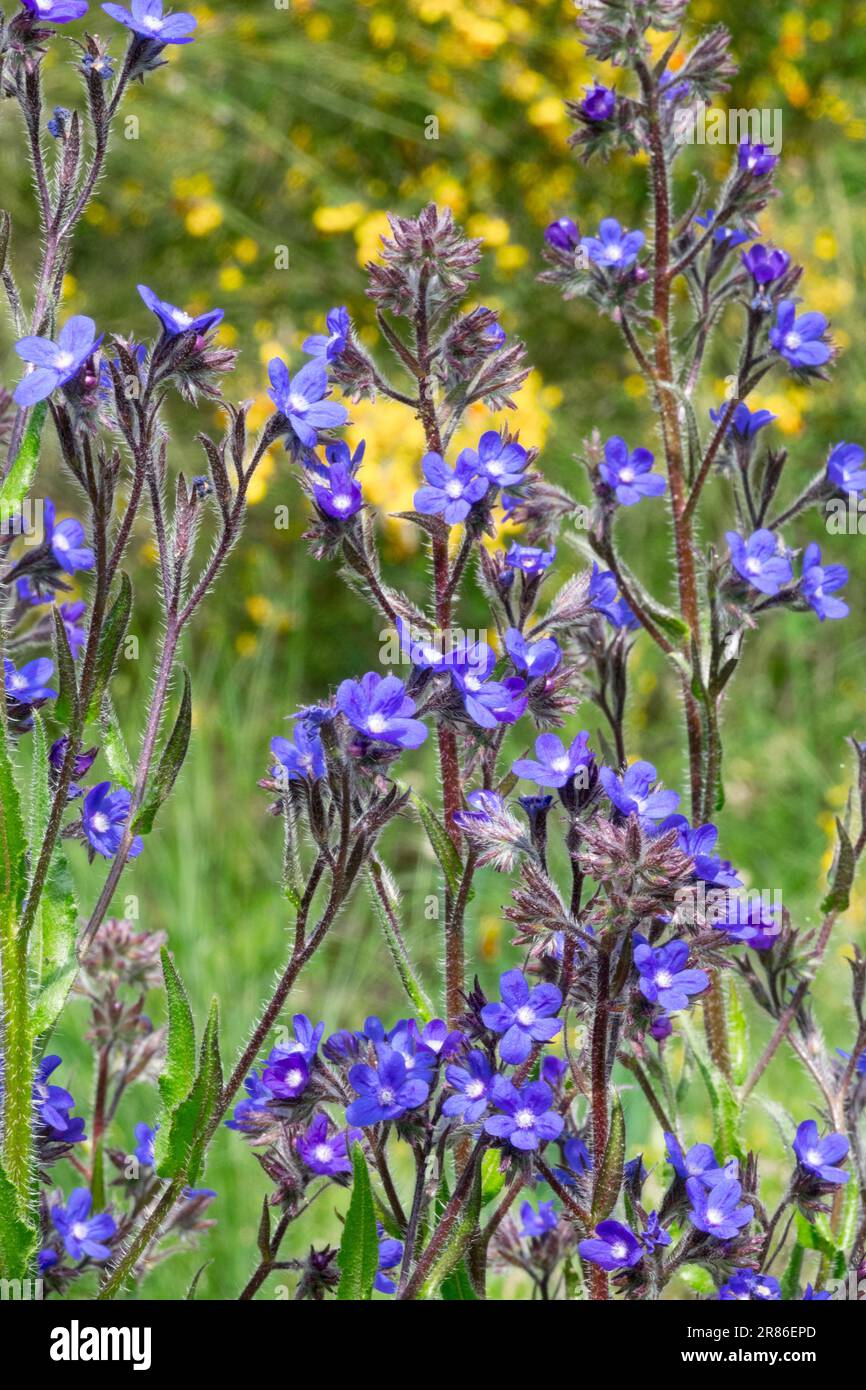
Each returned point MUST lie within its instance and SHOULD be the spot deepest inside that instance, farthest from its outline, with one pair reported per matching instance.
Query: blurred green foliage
(296, 128)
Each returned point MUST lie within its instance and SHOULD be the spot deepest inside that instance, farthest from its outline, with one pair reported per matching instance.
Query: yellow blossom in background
(338, 219)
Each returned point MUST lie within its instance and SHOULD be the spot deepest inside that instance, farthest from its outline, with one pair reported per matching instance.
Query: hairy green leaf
(359, 1248)
(19, 479)
(170, 763)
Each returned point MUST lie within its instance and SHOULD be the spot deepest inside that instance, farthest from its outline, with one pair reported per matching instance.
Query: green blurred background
(296, 128)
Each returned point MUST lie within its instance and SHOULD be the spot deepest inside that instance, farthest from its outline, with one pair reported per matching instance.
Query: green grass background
(298, 128)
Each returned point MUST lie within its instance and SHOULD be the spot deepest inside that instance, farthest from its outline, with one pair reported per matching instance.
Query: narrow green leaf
(844, 865)
(793, 1272)
(66, 704)
(17, 1237)
(609, 1179)
(13, 844)
(110, 640)
(40, 791)
(52, 996)
(492, 1176)
(462, 1233)
(183, 1154)
(443, 845)
(457, 1287)
(169, 764)
(19, 479)
(359, 1248)
(178, 1074)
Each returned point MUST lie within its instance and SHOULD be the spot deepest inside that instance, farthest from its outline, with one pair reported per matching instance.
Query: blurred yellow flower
(338, 219)
(203, 218)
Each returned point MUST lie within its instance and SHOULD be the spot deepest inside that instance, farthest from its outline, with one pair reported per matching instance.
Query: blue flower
(75, 635)
(599, 103)
(83, 1235)
(526, 1119)
(453, 492)
(765, 263)
(555, 765)
(746, 1285)
(524, 1016)
(329, 345)
(537, 1223)
(631, 793)
(602, 596)
(55, 363)
(800, 340)
(58, 123)
(306, 1040)
(286, 1074)
(716, 1210)
(299, 757)
(845, 468)
(577, 1160)
(811, 1296)
(28, 685)
(103, 817)
(614, 1247)
(174, 320)
(390, 1255)
(530, 559)
(745, 423)
(756, 160)
(472, 1082)
(563, 234)
(819, 582)
(424, 652)
(759, 561)
(486, 702)
(535, 658)
(379, 708)
(339, 495)
(503, 464)
(613, 248)
(654, 1233)
(384, 1093)
(662, 977)
(323, 1153)
(53, 1104)
(700, 1162)
(56, 11)
(699, 844)
(629, 474)
(145, 1138)
(820, 1157)
(727, 236)
(247, 1113)
(301, 400)
(485, 805)
(146, 18)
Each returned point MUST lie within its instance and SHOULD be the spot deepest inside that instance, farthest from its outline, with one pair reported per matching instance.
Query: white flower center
(792, 341)
(664, 979)
(626, 475)
(79, 1230)
(386, 1096)
(454, 488)
(560, 764)
(182, 318)
(814, 1157)
(525, 1015)
(376, 723)
(619, 1250)
(714, 1216)
(614, 253)
(524, 1119)
(341, 500)
(59, 541)
(100, 823)
(295, 1077)
(322, 1153)
(18, 682)
(475, 1089)
(64, 360)
(753, 565)
(153, 23)
(297, 403)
